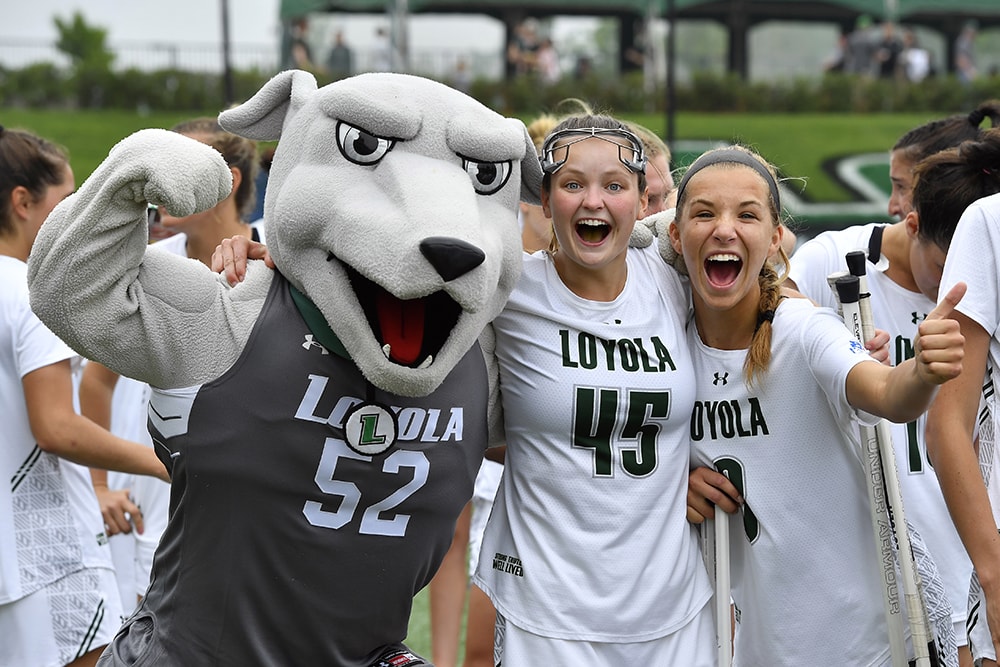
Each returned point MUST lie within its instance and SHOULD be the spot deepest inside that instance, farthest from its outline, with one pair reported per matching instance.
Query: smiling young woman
(789, 353)
(587, 555)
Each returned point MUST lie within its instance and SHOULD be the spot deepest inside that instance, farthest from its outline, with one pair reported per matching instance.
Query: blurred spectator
(339, 62)
(965, 54)
(860, 52)
(915, 60)
(301, 53)
(523, 48)
(887, 52)
(835, 61)
(584, 68)
(461, 77)
(547, 62)
(635, 53)
(383, 50)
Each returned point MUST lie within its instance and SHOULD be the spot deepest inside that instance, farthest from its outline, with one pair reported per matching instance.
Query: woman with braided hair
(805, 581)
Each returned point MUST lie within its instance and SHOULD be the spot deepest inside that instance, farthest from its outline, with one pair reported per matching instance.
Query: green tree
(89, 56)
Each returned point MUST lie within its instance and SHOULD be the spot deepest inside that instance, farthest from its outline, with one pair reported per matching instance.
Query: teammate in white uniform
(904, 269)
(120, 404)
(781, 388)
(898, 310)
(58, 601)
(587, 555)
(961, 423)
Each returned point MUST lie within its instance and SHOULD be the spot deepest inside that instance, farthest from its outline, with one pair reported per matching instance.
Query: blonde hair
(654, 146)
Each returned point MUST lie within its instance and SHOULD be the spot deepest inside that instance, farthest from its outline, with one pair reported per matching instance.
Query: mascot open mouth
(410, 331)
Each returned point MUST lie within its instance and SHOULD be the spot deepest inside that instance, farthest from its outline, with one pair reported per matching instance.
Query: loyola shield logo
(370, 429)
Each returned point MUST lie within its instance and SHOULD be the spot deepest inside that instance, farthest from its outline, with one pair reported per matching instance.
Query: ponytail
(759, 353)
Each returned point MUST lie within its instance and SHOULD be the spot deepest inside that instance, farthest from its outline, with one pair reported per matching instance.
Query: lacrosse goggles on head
(630, 151)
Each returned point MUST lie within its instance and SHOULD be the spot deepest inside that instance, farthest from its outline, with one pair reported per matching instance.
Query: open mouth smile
(592, 232)
(723, 269)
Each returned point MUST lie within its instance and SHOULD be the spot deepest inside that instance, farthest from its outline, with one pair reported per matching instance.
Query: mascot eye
(487, 177)
(361, 147)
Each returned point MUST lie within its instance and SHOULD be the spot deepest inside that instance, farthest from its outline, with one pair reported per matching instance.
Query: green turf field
(799, 144)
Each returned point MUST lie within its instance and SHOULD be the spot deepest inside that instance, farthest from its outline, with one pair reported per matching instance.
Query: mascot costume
(323, 423)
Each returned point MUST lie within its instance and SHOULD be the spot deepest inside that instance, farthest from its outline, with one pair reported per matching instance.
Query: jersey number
(914, 457)
(372, 522)
(733, 469)
(594, 419)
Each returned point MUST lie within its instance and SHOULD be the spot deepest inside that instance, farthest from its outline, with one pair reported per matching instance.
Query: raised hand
(940, 346)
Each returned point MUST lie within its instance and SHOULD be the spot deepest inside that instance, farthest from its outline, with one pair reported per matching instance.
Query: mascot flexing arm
(323, 423)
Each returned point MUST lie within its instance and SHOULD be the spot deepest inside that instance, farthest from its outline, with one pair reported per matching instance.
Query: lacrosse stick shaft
(715, 552)
(916, 610)
(723, 589)
(847, 291)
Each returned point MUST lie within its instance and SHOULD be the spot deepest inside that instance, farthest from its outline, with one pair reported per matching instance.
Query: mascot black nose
(450, 257)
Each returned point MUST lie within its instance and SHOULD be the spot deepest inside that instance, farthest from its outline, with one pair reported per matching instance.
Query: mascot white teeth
(323, 422)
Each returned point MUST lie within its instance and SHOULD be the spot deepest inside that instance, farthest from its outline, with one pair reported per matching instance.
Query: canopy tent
(738, 16)
(630, 13)
(498, 8)
(824, 10)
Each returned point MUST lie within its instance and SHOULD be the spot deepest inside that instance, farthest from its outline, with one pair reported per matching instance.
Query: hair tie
(764, 316)
(976, 117)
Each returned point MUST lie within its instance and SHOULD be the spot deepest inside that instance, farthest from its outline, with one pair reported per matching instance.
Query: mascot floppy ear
(531, 174)
(262, 117)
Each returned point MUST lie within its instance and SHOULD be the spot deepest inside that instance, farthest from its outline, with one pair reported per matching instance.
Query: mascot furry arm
(324, 422)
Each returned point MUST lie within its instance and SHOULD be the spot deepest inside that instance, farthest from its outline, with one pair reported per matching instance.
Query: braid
(759, 353)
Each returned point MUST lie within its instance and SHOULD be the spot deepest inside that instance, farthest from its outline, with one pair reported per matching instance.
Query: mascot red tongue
(289, 422)
(401, 324)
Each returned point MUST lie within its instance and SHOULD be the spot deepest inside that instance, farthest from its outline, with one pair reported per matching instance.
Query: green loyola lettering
(727, 419)
(628, 354)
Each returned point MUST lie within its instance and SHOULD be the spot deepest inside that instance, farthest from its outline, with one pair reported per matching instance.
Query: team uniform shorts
(483, 494)
(693, 646)
(61, 622)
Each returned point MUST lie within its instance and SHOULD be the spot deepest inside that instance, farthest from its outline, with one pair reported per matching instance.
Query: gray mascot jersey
(341, 540)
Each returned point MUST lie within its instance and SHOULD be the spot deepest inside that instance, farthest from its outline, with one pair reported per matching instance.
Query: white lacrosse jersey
(588, 539)
(805, 570)
(898, 311)
(51, 522)
(972, 259)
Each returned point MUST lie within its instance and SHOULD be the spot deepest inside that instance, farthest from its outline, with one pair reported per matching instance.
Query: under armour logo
(312, 343)
(721, 378)
(917, 317)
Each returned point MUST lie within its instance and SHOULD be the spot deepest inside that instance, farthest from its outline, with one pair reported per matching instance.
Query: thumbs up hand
(940, 345)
